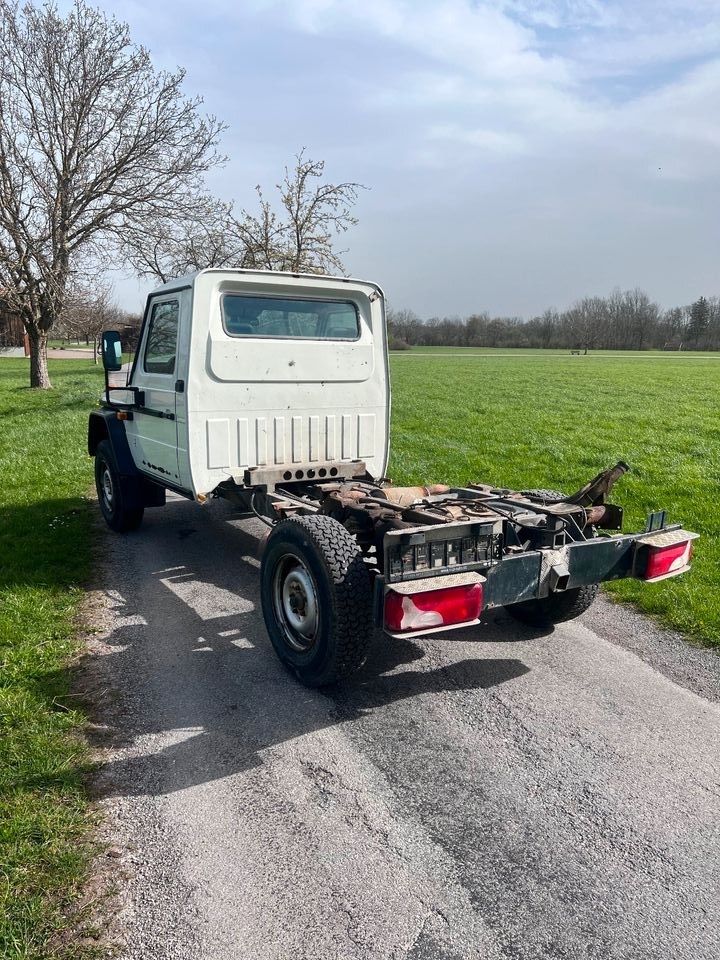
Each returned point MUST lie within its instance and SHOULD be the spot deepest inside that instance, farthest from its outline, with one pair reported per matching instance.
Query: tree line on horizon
(624, 320)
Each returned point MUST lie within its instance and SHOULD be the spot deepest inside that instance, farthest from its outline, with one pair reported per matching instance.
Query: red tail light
(665, 561)
(432, 608)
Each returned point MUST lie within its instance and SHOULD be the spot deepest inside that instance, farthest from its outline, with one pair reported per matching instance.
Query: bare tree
(299, 236)
(86, 312)
(262, 237)
(315, 213)
(167, 246)
(547, 326)
(94, 143)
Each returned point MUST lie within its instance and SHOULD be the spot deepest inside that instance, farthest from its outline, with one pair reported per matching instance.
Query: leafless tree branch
(95, 146)
(299, 237)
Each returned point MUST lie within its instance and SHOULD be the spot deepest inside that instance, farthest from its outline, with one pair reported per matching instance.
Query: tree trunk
(39, 376)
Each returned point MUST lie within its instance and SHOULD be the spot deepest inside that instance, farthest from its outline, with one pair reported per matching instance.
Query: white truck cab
(242, 369)
(272, 390)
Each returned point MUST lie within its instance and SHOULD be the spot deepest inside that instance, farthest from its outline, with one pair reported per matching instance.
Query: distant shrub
(395, 343)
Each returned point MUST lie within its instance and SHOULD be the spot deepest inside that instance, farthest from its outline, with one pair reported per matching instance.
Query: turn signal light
(666, 561)
(432, 608)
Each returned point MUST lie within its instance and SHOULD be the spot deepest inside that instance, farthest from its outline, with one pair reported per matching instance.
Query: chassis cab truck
(272, 391)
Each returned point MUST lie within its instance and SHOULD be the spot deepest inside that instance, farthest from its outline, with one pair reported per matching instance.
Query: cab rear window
(280, 318)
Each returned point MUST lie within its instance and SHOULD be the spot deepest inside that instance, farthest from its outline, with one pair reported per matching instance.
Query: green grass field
(524, 420)
(45, 559)
(544, 354)
(547, 420)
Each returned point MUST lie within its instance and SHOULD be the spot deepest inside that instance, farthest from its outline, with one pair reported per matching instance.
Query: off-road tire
(556, 608)
(547, 495)
(110, 493)
(323, 549)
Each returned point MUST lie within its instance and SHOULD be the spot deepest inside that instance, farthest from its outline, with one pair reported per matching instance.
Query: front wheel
(110, 493)
(316, 599)
(555, 608)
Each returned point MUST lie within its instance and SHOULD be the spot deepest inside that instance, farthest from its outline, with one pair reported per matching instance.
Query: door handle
(179, 386)
(161, 414)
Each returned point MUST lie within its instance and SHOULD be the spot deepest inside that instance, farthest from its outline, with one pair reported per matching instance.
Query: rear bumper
(535, 574)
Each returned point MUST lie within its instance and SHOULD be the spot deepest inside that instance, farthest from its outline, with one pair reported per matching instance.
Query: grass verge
(550, 421)
(45, 557)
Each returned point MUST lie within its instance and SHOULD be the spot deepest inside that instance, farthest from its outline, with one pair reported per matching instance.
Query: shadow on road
(196, 691)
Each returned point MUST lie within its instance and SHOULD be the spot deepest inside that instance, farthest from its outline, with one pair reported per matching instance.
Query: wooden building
(12, 333)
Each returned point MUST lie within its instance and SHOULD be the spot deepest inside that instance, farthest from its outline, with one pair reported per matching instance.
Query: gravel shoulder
(486, 793)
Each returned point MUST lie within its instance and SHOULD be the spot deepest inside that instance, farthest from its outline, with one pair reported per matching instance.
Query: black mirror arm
(138, 398)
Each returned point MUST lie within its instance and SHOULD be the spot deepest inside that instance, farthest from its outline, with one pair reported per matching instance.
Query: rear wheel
(316, 599)
(556, 608)
(547, 496)
(110, 493)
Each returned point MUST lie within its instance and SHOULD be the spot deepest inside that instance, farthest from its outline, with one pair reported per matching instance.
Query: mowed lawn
(526, 420)
(537, 419)
(45, 560)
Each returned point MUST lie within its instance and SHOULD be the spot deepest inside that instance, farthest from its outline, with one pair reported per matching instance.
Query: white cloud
(563, 145)
(486, 140)
(478, 38)
(481, 75)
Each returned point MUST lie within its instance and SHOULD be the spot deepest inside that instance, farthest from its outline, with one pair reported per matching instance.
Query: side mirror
(111, 351)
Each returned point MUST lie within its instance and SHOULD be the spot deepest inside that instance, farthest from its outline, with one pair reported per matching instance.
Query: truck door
(152, 433)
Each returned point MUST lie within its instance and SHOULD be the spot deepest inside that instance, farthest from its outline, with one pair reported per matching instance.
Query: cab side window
(161, 342)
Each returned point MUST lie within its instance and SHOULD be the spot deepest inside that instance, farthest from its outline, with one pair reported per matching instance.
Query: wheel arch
(104, 425)
(138, 489)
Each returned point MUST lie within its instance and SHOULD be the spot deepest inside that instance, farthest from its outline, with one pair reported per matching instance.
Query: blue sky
(519, 154)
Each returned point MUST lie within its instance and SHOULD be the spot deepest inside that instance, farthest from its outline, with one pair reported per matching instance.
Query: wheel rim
(296, 603)
(106, 487)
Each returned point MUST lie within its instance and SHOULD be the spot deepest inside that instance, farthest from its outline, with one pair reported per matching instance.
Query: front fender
(104, 425)
(138, 489)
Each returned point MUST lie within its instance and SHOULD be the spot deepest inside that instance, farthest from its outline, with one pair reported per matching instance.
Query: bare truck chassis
(423, 559)
(273, 392)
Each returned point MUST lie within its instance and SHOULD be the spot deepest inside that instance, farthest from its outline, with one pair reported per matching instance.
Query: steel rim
(296, 603)
(106, 486)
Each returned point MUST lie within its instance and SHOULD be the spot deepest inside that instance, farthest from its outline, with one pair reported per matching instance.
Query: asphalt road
(486, 793)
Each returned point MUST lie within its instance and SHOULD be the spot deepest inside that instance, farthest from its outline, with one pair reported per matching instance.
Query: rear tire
(108, 484)
(547, 496)
(316, 599)
(556, 608)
